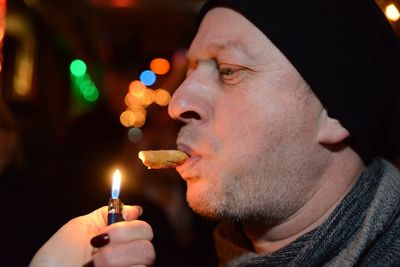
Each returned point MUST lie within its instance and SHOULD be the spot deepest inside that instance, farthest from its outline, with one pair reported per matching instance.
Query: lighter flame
(116, 184)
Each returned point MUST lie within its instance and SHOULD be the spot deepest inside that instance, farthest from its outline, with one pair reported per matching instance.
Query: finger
(138, 252)
(132, 212)
(127, 231)
(129, 213)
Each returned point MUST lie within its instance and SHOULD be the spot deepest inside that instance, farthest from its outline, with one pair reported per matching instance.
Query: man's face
(251, 125)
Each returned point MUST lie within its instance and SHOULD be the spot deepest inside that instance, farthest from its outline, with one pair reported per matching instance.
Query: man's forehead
(224, 28)
(221, 45)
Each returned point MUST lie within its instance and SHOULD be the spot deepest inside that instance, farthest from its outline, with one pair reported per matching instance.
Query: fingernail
(89, 264)
(140, 210)
(100, 240)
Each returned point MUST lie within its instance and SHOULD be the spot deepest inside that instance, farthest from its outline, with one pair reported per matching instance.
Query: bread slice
(161, 159)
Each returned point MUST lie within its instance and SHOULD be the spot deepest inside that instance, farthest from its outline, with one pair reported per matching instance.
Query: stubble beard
(247, 203)
(259, 197)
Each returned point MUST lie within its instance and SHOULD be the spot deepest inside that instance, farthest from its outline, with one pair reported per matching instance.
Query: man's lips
(185, 169)
(187, 149)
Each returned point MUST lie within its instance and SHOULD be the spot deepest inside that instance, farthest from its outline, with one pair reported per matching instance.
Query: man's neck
(338, 178)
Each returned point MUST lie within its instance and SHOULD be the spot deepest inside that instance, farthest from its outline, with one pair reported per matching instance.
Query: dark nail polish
(100, 240)
(89, 264)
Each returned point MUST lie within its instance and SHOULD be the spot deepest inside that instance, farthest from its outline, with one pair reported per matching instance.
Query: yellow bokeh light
(392, 13)
(127, 118)
(161, 97)
(160, 66)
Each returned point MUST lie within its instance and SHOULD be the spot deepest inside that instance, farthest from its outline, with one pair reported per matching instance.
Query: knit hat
(349, 55)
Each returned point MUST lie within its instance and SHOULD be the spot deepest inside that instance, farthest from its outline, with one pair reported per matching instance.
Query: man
(288, 107)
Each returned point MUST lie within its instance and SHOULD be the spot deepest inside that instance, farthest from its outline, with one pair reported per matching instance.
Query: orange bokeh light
(140, 119)
(136, 87)
(147, 97)
(127, 118)
(138, 110)
(161, 97)
(160, 66)
(132, 100)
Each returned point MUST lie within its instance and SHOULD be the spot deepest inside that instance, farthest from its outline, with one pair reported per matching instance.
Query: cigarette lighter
(115, 205)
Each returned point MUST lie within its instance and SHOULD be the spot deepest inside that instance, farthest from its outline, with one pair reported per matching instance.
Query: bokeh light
(78, 68)
(93, 96)
(161, 97)
(140, 119)
(160, 66)
(135, 135)
(132, 100)
(139, 111)
(392, 13)
(136, 87)
(140, 96)
(87, 87)
(84, 84)
(147, 97)
(121, 3)
(148, 77)
(127, 118)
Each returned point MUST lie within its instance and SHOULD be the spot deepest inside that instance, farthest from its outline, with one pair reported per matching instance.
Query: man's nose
(188, 102)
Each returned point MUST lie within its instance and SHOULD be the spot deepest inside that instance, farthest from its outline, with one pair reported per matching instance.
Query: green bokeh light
(78, 68)
(87, 87)
(93, 96)
(81, 81)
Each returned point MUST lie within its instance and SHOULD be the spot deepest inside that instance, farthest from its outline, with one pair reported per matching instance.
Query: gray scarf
(364, 230)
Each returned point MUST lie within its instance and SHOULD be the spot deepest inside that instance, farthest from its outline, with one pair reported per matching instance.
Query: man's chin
(202, 204)
(214, 215)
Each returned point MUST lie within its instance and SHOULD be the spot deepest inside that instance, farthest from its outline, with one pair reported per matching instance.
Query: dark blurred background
(69, 123)
(72, 111)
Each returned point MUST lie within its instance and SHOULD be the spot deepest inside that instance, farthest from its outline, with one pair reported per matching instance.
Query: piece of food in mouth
(161, 159)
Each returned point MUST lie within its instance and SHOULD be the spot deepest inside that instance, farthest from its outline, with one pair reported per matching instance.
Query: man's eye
(226, 71)
(231, 74)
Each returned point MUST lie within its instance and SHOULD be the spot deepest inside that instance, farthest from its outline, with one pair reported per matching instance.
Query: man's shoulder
(385, 250)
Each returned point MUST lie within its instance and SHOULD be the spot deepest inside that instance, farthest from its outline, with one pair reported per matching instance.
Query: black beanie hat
(349, 55)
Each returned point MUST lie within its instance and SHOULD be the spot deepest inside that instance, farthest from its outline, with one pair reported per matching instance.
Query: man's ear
(331, 131)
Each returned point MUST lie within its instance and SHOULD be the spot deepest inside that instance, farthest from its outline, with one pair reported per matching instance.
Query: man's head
(254, 130)
(348, 54)
(259, 137)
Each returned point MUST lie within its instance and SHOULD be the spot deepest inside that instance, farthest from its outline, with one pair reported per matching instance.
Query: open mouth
(186, 168)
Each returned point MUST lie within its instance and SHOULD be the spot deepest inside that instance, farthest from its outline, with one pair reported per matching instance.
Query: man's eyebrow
(234, 44)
